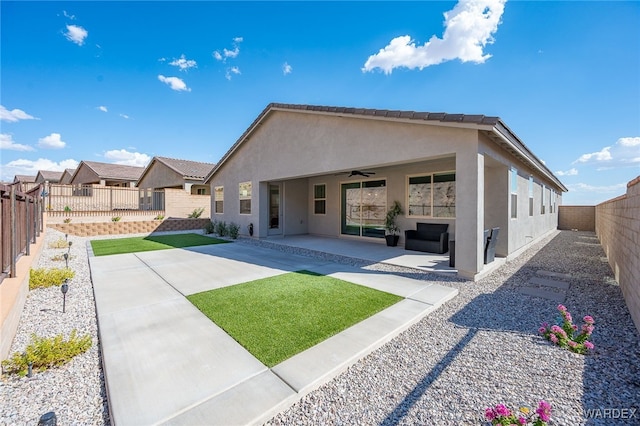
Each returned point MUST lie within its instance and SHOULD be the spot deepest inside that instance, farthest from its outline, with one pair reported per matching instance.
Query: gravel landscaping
(479, 349)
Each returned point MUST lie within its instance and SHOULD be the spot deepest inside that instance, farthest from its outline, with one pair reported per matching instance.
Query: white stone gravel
(479, 349)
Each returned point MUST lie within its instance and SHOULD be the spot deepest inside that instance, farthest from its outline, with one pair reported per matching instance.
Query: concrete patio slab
(545, 294)
(562, 285)
(554, 274)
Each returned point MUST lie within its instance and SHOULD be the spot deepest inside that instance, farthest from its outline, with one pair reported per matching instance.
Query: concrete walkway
(166, 363)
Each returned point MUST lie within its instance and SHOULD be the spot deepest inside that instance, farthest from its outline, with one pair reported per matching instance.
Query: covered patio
(375, 252)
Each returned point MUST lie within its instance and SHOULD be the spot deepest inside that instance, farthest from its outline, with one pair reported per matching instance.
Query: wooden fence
(20, 224)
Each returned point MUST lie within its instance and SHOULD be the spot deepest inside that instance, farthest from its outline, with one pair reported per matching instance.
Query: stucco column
(260, 207)
(469, 212)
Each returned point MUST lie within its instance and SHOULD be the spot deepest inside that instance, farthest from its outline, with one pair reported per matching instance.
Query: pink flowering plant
(568, 335)
(501, 415)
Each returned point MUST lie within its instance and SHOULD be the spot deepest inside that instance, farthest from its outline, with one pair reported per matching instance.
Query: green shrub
(234, 230)
(46, 352)
(210, 228)
(67, 209)
(59, 243)
(221, 228)
(43, 277)
(196, 213)
(116, 219)
(67, 220)
(159, 217)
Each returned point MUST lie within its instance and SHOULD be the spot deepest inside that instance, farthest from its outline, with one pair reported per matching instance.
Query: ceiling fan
(358, 173)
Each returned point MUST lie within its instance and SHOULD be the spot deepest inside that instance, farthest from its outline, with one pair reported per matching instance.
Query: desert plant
(196, 213)
(159, 217)
(210, 227)
(234, 230)
(60, 243)
(67, 209)
(221, 228)
(116, 219)
(67, 220)
(43, 277)
(46, 352)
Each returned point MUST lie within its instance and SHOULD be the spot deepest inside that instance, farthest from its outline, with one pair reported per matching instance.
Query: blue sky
(122, 82)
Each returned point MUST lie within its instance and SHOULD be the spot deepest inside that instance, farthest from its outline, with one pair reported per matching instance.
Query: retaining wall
(141, 227)
(618, 228)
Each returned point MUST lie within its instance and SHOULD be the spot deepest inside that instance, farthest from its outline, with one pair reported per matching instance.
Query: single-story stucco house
(334, 171)
(67, 174)
(24, 182)
(106, 174)
(163, 172)
(48, 176)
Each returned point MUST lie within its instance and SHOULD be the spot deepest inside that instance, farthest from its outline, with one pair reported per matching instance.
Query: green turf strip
(150, 243)
(275, 318)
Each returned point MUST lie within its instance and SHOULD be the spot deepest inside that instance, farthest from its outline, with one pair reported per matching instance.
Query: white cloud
(618, 188)
(31, 168)
(6, 142)
(68, 15)
(226, 53)
(52, 141)
(124, 157)
(175, 83)
(76, 34)
(469, 27)
(183, 63)
(232, 70)
(570, 172)
(286, 68)
(625, 152)
(125, 116)
(103, 108)
(14, 115)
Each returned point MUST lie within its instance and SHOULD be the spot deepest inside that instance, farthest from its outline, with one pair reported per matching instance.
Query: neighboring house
(65, 179)
(291, 172)
(25, 183)
(48, 176)
(106, 174)
(163, 172)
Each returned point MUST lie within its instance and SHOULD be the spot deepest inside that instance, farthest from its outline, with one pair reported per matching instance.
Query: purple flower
(501, 410)
(567, 316)
(562, 308)
(544, 411)
(575, 327)
(542, 330)
(588, 319)
(522, 420)
(553, 338)
(588, 345)
(572, 343)
(489, 413)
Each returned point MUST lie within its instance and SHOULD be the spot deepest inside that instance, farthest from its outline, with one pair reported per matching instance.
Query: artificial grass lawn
(150, 243)
(275, 318)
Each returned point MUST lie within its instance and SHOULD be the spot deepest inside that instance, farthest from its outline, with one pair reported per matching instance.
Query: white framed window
(530, 195)
(431, 195)
(543, 206)
(245, 197)
(320, 198)
(514, 193)
(218, 199)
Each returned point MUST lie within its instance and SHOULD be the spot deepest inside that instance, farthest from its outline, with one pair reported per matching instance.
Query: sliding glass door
(363, 208)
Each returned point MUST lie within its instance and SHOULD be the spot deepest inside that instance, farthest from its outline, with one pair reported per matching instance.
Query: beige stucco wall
(618, 228)
(85, 175)
(161, 176)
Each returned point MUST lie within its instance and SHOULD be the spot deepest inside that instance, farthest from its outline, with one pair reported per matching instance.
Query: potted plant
(393, 231)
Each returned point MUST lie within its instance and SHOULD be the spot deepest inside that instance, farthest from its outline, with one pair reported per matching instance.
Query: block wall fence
(618, 228)
(582, 218)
